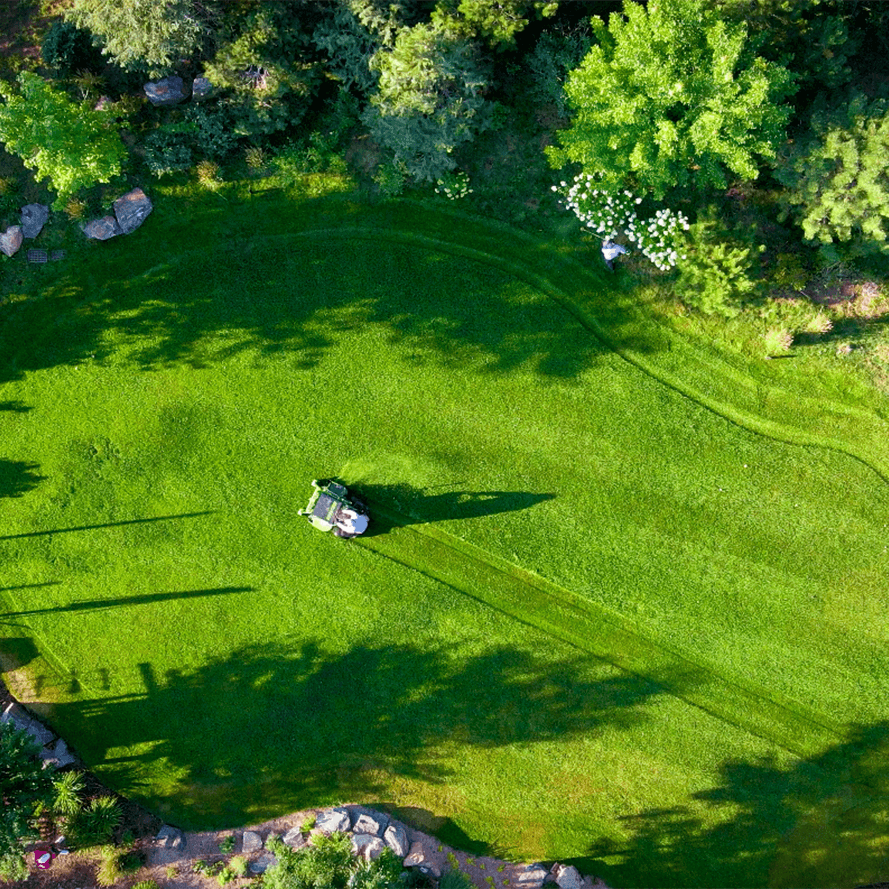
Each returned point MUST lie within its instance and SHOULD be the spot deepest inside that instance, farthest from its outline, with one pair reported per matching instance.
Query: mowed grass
(597, 621)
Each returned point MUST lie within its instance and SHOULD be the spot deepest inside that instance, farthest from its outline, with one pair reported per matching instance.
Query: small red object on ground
(43, 857)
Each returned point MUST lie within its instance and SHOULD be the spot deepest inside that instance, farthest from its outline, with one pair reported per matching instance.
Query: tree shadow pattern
(266, 731)
(820, 822)
(278, 294)
(17, 477)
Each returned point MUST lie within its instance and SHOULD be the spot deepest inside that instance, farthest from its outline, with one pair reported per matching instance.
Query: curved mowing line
(45, 649)
(759, 425)
(553, 609)
(586, 625)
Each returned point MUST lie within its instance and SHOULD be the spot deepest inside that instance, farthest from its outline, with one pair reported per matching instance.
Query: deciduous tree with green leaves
(837, 185)
(68, 143)
(496, 21)
(671, 95)
(25, 786)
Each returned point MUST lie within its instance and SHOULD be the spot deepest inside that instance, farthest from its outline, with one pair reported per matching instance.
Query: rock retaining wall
(371, 832)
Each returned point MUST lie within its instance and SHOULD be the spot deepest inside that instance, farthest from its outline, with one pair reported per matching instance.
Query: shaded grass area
(219, 660)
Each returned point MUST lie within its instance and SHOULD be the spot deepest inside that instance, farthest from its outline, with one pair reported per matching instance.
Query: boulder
(24, 721)
(567, 877)
(102, 229)
(368, 821)
(333, 821)
(201, 88)
(11, 240)
(34, 217)
(366, 846)
(58, 755)
(421, 858)
(395, 837)
(295, 838)
(532, 877)
(262, 863)
(170, 838)
(131, 210)
(168, 91)
(251, 841)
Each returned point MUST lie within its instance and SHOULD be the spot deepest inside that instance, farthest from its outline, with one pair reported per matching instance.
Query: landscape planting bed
(599, 617)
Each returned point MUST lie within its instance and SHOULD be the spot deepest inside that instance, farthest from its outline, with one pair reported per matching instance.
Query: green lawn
(624, 603)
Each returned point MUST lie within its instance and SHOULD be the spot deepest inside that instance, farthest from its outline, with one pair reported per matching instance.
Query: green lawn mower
(332, 508)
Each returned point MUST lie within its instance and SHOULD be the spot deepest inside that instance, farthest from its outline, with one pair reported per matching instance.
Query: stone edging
(53, 750)
(370, 832)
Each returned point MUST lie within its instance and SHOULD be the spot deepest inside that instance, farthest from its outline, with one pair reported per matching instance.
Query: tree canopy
(671, 95)
(836, 179)
(144, 35)
(430, 98)
(496, 21)
(68, 143)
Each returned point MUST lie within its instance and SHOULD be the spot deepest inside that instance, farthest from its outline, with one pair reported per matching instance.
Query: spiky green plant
(778, 341)
(97, 822)
(68, 790)
(208, 174)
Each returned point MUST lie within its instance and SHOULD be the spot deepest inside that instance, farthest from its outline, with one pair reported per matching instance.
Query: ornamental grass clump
(778, 341)
(208, 174)
(819, 323)
(659, 238)
(255, 157)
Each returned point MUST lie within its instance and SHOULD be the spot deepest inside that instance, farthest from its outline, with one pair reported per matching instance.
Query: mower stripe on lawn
(593, 628)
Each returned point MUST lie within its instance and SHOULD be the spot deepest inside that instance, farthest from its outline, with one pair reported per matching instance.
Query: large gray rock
(58, 755)
(169, 91)
(368, 821)
(11, 240)
(170, 838)
(295, 838)
(262, 863)
(366, 846)
(567, 876)
(395, 837)
(421, 858)
(131, 210)
(24, 721)
(102, 229)
(532, 877)
(34, 217)
(333, 821)
(201, 88)
(251, 841)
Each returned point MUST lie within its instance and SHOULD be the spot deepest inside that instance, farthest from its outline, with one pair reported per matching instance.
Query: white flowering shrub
(659, 238)
(453, 185)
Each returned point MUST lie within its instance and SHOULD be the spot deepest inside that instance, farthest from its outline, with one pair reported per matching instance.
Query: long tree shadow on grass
(122, 523)
(124, 601)
(818, 822)
(267, 731)
(275, 294)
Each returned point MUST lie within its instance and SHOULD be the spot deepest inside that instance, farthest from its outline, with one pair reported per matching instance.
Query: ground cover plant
(621, 603)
